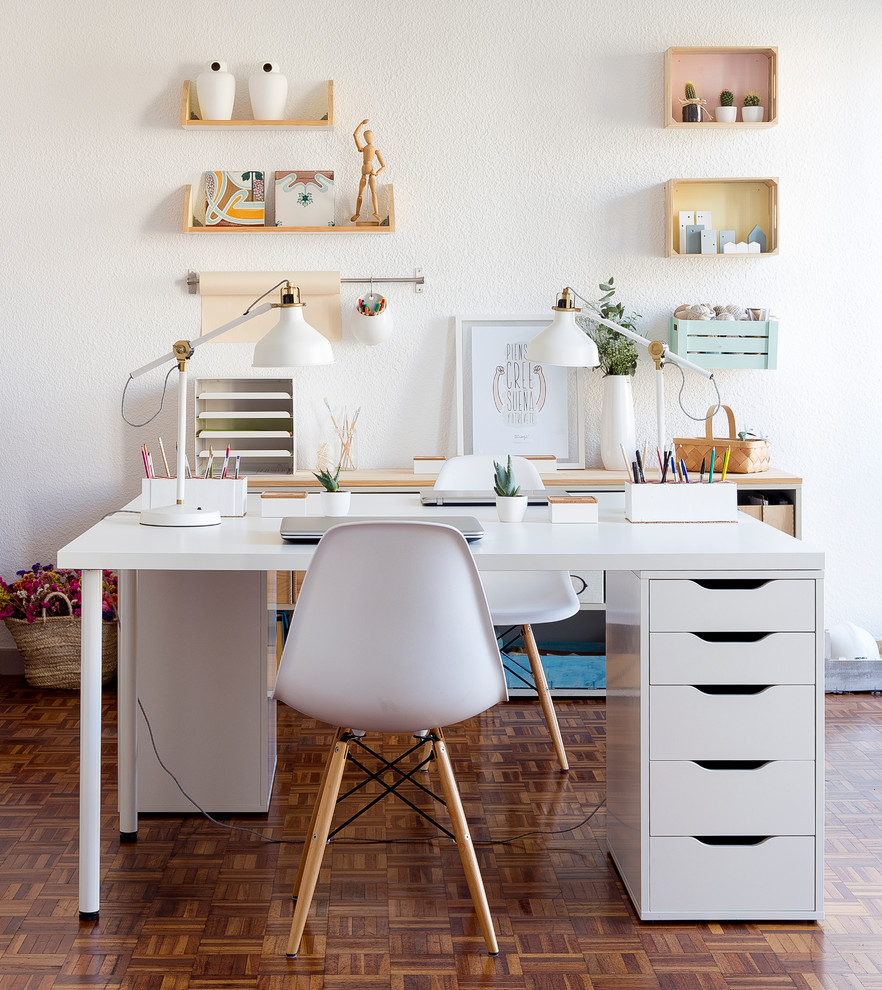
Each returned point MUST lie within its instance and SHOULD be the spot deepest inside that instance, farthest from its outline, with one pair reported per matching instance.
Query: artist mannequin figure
(365, 144)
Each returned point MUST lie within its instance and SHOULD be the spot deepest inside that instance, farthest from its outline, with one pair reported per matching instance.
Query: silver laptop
(310, 529)
(432, 496)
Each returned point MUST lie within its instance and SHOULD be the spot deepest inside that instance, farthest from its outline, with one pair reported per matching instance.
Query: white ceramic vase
(216, 91)
(268, 90)
(752, 115)
(368, 326)
(617, 422)
(511, 508)
(726, 115)
(335, 503)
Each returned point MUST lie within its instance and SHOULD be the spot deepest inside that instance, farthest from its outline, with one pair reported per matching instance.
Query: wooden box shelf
(715, 69)
(726, 343)
(734, 204)
(386, 227)
(190, 118)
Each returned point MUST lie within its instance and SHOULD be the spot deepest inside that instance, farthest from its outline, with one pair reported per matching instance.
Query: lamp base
(180, 515)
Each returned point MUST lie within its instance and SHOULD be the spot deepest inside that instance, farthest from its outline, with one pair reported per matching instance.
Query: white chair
(391, 634)
(519, 598)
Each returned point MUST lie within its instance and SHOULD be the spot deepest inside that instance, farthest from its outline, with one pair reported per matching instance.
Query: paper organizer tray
(681, 502)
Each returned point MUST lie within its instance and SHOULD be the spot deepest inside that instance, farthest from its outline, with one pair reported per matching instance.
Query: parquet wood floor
(192, 906)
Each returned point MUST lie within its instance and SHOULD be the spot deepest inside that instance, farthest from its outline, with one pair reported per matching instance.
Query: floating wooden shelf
(386, 227)
(715, 69)
(189, 116)
(734, 204)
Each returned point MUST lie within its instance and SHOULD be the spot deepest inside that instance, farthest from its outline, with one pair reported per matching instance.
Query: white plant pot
(752, 115)
(371, 328)
(617, 429)
(335, 503)
(216, 91)
(511, 508)
(268, 90)
(726, 115)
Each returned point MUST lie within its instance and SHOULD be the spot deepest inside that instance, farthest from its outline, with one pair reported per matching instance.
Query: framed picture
(509, 405)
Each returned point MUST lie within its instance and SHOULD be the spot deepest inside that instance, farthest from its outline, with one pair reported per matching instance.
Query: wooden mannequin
(365, 144)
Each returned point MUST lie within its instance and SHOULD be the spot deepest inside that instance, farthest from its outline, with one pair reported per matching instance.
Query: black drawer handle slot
(731, 840)
(731, 764)
(732, 637)
(731, 688)
(731, 584)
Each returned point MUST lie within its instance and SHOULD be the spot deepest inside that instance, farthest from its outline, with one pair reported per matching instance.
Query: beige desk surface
(587, 478)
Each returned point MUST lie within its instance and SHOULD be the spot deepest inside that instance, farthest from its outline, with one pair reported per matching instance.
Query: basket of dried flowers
(42, 612)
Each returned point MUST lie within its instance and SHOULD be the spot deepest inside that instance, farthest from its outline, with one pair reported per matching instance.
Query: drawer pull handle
(732, 637)
(731, 840)
(731, 764)
(731, 688)
(731, 584)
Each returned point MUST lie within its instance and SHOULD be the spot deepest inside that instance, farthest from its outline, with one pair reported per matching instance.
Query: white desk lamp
(292, 342)
(563, 342)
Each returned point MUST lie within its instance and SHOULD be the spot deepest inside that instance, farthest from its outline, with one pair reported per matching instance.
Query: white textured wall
(525, 143)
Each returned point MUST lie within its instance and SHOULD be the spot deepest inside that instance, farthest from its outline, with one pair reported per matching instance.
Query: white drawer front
(686, 658)
(774, 799)
(688, 876)
(588, 586)
(776, 724)
(786, 605)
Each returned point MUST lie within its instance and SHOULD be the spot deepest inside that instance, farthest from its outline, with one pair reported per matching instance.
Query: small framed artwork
(305, 199)
(509, 405)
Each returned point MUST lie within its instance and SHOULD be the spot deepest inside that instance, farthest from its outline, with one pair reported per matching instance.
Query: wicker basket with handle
(50, 648)
(745, 456)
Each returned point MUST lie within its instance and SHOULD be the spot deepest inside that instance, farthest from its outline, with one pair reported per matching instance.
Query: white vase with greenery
(618, 362)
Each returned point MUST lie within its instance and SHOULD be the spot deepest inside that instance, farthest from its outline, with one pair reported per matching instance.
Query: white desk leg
(127, 715)
(90, 745)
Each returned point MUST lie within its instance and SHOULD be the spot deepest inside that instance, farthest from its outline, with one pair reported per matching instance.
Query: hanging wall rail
(417, 280)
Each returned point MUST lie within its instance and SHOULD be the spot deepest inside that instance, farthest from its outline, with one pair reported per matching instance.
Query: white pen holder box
(572, 509)
(281, 504)
(228, 496)
(681, 503)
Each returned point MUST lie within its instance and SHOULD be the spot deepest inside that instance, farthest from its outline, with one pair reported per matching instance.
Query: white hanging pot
(268, 90)
(511, 508)
(371, 322)
(617, 422)
(216, 91)
(335, 503)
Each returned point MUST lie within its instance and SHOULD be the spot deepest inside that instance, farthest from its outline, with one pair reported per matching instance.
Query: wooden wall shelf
(189, 116)
(734, 204)
(715, 69)
(387, 227)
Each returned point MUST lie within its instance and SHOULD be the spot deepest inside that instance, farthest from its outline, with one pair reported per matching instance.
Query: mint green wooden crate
(726, 343)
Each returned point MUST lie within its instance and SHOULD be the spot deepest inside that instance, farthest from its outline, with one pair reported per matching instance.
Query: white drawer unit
(715, 743)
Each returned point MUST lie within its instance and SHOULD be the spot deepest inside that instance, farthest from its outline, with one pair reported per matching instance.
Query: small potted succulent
(334, 502)
(752, 111)
(510, 504)
(691, 106)
(727, 112)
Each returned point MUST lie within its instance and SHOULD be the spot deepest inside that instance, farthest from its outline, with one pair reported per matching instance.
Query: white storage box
(228, 496)
(280, 504)
(428, 465)
(689, 503)
(572, 509)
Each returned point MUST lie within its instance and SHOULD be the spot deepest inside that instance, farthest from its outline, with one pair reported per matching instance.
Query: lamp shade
(562, 342)
(292, 342)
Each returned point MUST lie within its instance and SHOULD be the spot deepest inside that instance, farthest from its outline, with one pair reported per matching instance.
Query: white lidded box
(428, 465)
(279, 504)
(572, 509)
(228, 496)
(681, 502)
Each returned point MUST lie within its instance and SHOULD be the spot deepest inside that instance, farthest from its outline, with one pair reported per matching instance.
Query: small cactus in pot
(752, 110)
(727, 111)
(752, 99)
(691, 111)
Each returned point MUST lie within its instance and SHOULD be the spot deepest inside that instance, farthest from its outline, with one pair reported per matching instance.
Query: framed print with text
(509, 405)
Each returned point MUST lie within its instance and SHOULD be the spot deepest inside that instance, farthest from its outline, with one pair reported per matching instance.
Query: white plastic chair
(519, 598)
(391, 634)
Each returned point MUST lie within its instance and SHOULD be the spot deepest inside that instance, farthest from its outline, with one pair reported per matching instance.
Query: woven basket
(50, 648)
(745, 456)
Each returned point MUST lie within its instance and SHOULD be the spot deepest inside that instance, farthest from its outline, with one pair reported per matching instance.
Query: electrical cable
(122, 404)
(698, 419)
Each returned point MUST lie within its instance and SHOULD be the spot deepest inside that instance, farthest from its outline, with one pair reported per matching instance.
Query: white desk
(252, 543)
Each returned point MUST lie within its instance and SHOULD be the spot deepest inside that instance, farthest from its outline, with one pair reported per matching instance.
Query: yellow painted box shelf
(734, 204)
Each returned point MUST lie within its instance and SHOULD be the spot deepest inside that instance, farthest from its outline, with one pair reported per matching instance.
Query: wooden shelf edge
(735, 125)
(388, 228)
(188, 122)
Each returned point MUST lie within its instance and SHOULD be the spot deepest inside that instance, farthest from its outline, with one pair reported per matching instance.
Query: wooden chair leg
(316, 840)
(464, 843)
(544, 697)
(315, 810)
